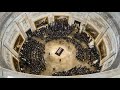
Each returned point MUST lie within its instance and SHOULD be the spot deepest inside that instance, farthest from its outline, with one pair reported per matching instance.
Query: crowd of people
(31, 57)
(57, 29)
(90, 54)
(40, 33)
(82, 37)
(32, 52)
(75, 71)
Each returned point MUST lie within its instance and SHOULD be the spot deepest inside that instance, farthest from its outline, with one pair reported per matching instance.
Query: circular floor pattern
(53, 49)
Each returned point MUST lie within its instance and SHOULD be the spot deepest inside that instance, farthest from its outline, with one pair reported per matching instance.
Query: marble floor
(65, 61)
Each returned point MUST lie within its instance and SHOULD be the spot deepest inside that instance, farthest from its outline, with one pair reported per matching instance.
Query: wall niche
(91, 31)
(102, 49)
(61, 18)
(16, 64)
(41, 22)
(18, 43)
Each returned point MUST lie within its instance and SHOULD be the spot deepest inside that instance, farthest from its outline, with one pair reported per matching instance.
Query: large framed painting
(91, 31)
(102, 49)
(61, 18)
(41, 22)
(16, 64)
(18, 43)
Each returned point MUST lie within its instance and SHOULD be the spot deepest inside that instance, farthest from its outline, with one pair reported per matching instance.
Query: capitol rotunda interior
(59, 44)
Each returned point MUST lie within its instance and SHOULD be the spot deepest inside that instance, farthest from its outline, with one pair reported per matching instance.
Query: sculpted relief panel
(82, 16)
(25, 24)
(111, 39)
(36, 14)
(108, 41)
(6, 53)
(108, 63)
(10, 35)
(110, 20)
(14, 32)
(97, 22)
(105, 16)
